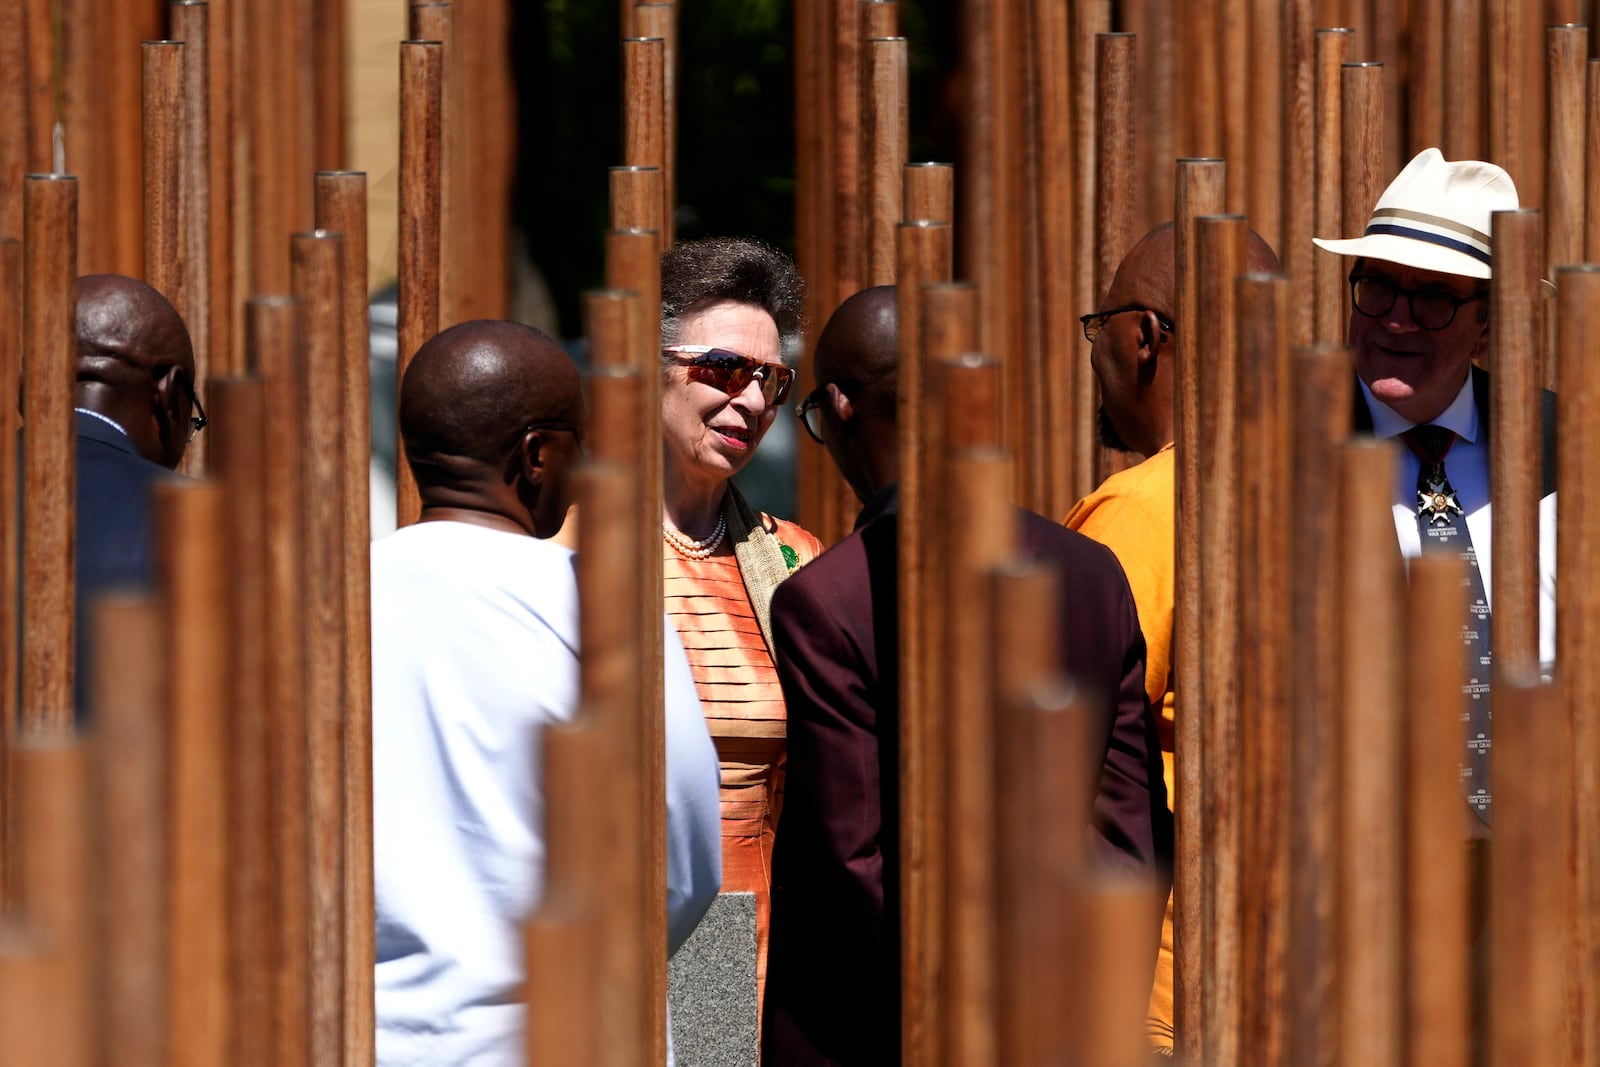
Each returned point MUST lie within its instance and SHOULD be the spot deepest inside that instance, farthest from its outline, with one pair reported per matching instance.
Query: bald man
(1133, 512)
(136, 411)
(475, 652)
(833, 979)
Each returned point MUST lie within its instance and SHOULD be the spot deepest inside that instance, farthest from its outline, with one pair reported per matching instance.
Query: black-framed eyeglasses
(1094, 322)
(809, 412)
(732, 373)
(1431, 309)
(197, 417)
(546, 424)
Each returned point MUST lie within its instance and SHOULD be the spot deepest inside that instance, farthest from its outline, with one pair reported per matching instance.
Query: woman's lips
(735, 438)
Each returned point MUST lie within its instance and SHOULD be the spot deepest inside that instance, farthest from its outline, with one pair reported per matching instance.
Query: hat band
(1432, 238)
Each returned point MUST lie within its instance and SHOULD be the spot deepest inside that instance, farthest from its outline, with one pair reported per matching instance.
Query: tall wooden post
(1327, 281)
(190, 539)
(163, 165)
(1372, 640)
(191, 25)
(421, 110)
(49, 473)
(10, 549)
(1298, 178)
(885, 133)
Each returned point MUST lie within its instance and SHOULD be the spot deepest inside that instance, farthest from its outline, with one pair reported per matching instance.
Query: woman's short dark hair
(697, 274)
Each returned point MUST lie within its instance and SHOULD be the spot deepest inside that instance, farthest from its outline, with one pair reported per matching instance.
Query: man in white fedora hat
(1419, 318)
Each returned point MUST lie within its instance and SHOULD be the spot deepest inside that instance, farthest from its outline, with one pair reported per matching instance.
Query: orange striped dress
(738, 685)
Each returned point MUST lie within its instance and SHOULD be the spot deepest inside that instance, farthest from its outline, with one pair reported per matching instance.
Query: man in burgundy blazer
(833, 978)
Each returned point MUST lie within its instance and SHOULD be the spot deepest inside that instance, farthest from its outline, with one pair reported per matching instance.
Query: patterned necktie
(1442, 526)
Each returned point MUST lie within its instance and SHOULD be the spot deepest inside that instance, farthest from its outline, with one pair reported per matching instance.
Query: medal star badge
(1437, 501)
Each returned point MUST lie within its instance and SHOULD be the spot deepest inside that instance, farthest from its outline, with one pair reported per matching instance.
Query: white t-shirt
(474, 651)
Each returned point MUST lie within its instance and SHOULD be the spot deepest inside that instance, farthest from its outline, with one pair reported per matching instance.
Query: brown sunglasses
(732, 373)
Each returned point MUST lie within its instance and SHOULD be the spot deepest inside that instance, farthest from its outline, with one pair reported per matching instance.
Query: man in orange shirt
(1133, 512)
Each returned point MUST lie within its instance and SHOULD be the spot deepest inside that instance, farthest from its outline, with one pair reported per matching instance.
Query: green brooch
(791, 558)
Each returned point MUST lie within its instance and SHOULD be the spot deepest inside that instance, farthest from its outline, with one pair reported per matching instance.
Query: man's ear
(529, 458)
(844, 409)
(1152, 337)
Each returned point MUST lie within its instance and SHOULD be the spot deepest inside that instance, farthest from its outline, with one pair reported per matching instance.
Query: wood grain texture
(128, 791)
(1577, 628)
(316, 264)
(661, 20)
(1372, 640)
(1298, 176)
(421, 147)
(239, 462)
(49, 472)
(1438, 889)
(190, 535)
(191, 25)
(1219, 243)
(272, 329)
(163, 168)
(1333, 48)
(10, 550)
(1321, 383)
(885, 134)
(341, 207)
(1199, 184)
(1515, 342)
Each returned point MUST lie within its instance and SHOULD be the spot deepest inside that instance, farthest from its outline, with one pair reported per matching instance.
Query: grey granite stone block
(711, 983)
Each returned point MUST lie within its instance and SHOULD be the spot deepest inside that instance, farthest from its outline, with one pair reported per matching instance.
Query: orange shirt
(707, 604)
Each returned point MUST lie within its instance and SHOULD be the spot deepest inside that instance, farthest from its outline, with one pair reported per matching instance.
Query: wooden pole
(661, 20)
(1327, 281)
(14, 99)
(130, 821)
(636, 198)
(925, 252)
(1361, 120)
(239, 461)
(328, 61)
(226, 346)
(1088, 20)
(82, 67)
(1505, 80)
(1299, 160)
(441, 22)
(1052, 46)
(1231, 133)
(1464, 135)
(1270, 81)
(1322, 385)
(26, 1014)
(49, 473)
(1199, 184)
(612, 674)
(491, 154)
(1115, 135)
(1266, 448)
(58, 887)
(1514, 345)
(421, 103)
(341, 207)
(317, 274)
(644, 141)
(272, 326)
(1566, 60)
(1437, 876)
(1219, 242)
(624, 329)
(10, 549)
(1527, 1016)
(1372, 637)
(1591, 154)
(1424, 77)
(1578, 626)
(189, 532)
(563, 939)
(843, 27)
(885, 134)
(981, 535)
(163, 164)
(1200, 104)
(190, 24)
(1113, 988)
(815, 495)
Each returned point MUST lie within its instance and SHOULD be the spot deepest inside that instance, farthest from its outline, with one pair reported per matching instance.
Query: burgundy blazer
(833, 970)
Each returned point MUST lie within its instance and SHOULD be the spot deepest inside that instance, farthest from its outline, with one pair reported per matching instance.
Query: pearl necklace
(691, 548)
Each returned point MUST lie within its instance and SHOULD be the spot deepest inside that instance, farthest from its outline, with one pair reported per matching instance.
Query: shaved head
(1132, 355)
(855, 365)
(477, 404)
(135, 363)
(861, 341)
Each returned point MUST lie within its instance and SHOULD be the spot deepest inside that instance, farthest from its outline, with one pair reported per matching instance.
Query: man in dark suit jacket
(833, 977)
(136, 411)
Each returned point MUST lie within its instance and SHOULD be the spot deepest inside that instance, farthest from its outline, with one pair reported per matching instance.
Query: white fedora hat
(1435, 215)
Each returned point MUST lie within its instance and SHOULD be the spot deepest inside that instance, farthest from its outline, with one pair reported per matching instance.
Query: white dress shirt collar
(1460, 417)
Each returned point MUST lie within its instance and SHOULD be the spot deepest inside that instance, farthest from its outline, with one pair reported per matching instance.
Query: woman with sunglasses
(729, 307)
